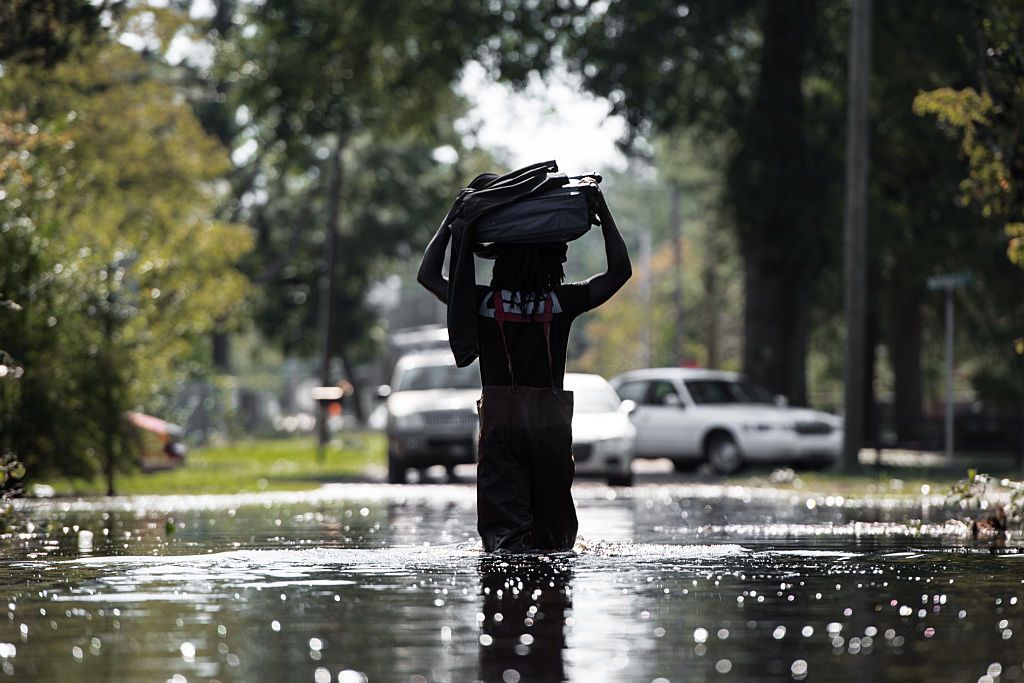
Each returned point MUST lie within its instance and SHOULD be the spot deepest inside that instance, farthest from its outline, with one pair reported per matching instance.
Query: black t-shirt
(526, 339)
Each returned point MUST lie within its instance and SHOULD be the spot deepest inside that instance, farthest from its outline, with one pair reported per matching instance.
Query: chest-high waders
(525, 469)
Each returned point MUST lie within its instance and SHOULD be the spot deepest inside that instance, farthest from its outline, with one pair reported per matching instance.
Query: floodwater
(388, 583)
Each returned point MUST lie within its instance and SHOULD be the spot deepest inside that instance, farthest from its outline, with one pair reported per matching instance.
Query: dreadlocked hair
(528, 268)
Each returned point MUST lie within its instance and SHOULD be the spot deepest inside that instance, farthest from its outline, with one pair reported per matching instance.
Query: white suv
(602, 435)
(432, 416)
(693, 416)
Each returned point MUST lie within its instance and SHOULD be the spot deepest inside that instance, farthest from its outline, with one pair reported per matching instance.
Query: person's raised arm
(430, 272)
(603, 286)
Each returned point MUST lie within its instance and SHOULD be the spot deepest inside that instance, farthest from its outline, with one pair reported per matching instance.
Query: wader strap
(547, 338)
(545, 318)
(499, 316)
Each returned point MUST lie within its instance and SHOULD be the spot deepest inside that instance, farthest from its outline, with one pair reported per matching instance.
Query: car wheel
(723, 454)
(396, 472)
(620, 479)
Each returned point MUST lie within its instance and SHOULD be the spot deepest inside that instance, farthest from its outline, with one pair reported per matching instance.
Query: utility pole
(111, 412)
(676, 219)
(855, 230)
(949, 375)
(713, 250)
(645, 296)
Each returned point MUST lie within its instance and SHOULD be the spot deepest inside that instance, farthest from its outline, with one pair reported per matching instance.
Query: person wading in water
(525, 466)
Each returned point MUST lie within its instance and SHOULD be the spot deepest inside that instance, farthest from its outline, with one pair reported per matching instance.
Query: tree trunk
(357, 402)
(710, 278)
(218, 118)
(776, 329)
(111, 412)
(905, 352)
(222, 351)
(870, 427)
(676, 218)
(328, 285)
(771, 188)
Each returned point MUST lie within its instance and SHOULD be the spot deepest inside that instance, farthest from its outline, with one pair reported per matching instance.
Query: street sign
(951, 280)
(947, 283)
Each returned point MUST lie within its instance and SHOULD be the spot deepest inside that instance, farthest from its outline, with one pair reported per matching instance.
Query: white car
(431, 413)
(694, 416)
(603, 437)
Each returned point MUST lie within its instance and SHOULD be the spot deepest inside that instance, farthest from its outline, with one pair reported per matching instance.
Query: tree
(639, 327)
(769, 78)
(47, 31)
(343, 106)
(987, 116)
(110, 249)
(614, 334)
(990, 120)
(915, 229)
(737, 66)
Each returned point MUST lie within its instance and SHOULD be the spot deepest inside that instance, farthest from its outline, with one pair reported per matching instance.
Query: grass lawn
(885, 480)
(244, 466)
(291, 464)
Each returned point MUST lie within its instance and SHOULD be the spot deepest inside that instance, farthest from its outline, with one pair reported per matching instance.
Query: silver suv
(432, 414)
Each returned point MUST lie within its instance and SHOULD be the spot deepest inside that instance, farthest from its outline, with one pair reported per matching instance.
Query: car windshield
(439, 377)
(727, 391)
(595, 400)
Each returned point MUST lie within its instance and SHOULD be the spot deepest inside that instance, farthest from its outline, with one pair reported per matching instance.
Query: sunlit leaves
(46, 32)
(110, 245)
(969, 112)
(308, 78)
(1015, 248)
(962, 108)
(989, 122)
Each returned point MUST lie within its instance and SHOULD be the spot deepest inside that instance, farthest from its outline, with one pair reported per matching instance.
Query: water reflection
(525, 603)
(389, 583)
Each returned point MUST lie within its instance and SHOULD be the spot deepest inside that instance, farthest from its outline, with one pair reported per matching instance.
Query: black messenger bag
(558, 215)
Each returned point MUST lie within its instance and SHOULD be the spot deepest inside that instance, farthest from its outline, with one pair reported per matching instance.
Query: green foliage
(11, 470)
(11, 474)
(341, 107)
(388, 210)
(640, 198)
(615, 332)
(47, 31)
(713, 70)
(970, 112)
(989, 119)
(981, 491)
(108, 243)
(761, 75)
(1015, 247)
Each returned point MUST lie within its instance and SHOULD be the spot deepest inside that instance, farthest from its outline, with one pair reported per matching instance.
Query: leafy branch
(980, 491)
(11, 473)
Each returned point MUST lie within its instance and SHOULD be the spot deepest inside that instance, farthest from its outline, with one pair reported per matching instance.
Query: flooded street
(370, 582)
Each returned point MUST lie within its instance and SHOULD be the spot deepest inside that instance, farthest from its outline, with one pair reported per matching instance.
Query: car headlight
(617, 446)
(409, 422)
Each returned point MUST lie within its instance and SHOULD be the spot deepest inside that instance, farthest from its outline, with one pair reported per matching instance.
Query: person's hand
(594, 197)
